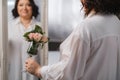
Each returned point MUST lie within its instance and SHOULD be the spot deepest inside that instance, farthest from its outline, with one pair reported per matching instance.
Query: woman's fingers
(32, 67)
(29, 65)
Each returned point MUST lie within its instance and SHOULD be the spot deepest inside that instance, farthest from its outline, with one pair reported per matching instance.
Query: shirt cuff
(43, 71)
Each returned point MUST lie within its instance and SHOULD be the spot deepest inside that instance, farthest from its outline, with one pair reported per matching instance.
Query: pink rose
(31, 36)
(37, 36)
(44, 39)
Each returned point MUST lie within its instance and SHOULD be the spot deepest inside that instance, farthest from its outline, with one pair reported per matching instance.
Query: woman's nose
(24, 7)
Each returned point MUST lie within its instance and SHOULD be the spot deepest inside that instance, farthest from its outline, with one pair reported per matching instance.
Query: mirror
(19, 23)
(5, 17)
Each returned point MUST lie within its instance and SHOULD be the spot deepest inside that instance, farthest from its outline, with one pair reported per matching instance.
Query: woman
(92, 51)
(24, 12)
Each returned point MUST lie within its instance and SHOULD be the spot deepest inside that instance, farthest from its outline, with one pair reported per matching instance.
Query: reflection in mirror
(21, 18)
(63, 16)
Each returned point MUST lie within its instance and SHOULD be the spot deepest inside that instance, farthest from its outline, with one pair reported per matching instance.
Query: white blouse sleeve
(55, 71)
(71, 46)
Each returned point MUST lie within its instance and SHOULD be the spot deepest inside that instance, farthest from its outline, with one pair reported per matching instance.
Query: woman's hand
(32, 67)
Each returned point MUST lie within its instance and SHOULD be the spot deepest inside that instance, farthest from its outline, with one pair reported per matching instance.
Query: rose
(44, 39)
(31, 36)
(35, 36)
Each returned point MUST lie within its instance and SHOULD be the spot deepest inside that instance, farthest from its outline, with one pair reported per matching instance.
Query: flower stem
(33, 49)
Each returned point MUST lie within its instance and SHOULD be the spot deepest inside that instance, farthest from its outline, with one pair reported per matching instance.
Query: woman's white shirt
(91, 52)
(18, 50)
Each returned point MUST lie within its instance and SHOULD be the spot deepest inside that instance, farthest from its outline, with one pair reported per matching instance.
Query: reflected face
(24, 9)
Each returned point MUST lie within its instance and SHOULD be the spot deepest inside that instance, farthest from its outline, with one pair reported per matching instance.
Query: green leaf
(38, 29)
(26, 34)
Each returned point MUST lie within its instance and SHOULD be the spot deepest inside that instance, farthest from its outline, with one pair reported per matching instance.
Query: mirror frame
(3, 39)
(44, 23)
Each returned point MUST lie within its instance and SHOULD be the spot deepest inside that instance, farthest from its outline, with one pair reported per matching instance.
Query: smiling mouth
(25, 12)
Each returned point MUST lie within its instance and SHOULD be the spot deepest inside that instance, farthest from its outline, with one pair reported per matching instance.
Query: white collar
(17, 20)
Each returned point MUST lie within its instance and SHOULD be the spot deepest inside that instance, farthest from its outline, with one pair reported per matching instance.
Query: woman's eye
(24, 4)
(29, 4)
(20, 5)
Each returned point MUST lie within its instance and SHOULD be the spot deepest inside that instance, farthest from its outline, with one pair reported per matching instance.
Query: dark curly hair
(35, 8)
(101, 6)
